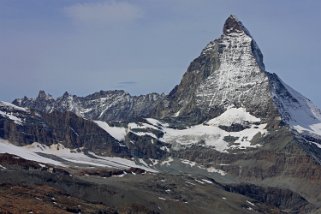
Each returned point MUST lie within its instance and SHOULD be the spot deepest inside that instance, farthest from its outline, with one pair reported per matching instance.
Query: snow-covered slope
(216, 133)
(295, 109)
(58, 155)
(234, 116)
(118, 133)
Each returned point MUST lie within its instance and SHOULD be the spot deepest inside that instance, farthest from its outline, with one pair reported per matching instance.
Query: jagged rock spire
(42, 95)
(233, 25)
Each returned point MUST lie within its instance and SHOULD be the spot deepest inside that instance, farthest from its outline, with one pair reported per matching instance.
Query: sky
(143, 46)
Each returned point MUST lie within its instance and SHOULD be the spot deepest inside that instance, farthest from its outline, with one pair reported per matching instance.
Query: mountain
(104, 105)
(231, 131)
(229, 72)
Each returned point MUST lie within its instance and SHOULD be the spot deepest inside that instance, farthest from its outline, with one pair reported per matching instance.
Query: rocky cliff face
(23, 127)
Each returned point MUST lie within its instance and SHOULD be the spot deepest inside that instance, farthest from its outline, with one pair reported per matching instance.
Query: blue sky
(145, 46)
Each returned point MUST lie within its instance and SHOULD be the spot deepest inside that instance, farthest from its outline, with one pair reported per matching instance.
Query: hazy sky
(145, 46)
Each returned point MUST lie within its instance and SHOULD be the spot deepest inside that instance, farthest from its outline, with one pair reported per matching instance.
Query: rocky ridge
(104, 105)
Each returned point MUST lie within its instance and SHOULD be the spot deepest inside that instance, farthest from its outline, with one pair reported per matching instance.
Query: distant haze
(145, 46)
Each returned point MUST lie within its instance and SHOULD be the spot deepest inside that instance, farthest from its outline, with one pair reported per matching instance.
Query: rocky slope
(27, 186)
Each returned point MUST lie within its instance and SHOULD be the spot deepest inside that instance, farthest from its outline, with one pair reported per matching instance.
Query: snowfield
(208, 134)
(39, 153)
(233, 116)
(118, 133)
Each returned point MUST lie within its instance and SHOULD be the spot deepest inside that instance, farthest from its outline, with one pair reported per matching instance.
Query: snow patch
(12, 106)
(118, 133)
(153, 125)
(154, 161)
(318, 145)
(26, 153)
(207, 181)
(188, 162)
(233, 116)
(213, 136)
(155, 122)
(198, 181)
(145, 134)
(250, 203)
(12, 117)
(212, 169)
(167, 162)
(188, 182)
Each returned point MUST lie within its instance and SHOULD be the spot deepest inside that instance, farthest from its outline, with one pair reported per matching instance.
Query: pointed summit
(233, 25)
(229, 72)
(42, 95)
(66, 94)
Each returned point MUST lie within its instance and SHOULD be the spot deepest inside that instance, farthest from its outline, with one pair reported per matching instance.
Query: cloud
(103, 13)
(127, 83)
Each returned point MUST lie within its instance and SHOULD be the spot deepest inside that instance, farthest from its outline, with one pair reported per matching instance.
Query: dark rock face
(233, 25)
(235, 127)
(74, 132)
(60, 127)
(145, 146)
(109, 172)
(182, 98)
(282, 198)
